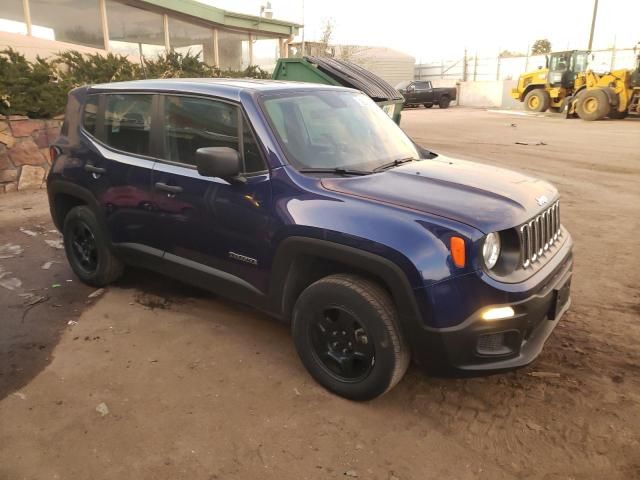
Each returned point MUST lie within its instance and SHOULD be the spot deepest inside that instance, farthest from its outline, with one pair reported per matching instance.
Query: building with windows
(144, 28)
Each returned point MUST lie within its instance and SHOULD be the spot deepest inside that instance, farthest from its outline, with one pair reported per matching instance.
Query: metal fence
(475, 68)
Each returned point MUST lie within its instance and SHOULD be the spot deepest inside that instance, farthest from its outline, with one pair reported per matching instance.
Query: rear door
(118, 129)
(422, 92)
(206, 223)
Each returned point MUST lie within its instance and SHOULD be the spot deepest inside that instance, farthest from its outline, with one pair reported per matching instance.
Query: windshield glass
(329, 129)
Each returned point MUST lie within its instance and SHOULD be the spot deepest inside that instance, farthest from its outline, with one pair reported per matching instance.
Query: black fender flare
(389, 272)
(57, 187)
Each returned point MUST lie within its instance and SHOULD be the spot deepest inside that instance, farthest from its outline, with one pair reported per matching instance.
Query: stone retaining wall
(24, 151)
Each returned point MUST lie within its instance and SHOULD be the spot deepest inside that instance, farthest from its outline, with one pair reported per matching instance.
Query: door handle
(168, 188)
(93, 169)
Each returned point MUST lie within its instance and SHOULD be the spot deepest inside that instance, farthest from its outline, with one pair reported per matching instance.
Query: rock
(10, 187)
(26, 153)
(46, 136)
(24, 128)
(5, 164)
(46, 265)
(102, 409)
(7, 139)
(4, 126)
(31, 177)
(46, 153)
(351, 473)
(8, 176)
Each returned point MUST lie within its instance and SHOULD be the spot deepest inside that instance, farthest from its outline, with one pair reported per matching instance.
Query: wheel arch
(300, 261)
(63, 196)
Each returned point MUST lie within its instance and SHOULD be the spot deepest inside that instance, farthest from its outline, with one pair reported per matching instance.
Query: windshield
(329, 129)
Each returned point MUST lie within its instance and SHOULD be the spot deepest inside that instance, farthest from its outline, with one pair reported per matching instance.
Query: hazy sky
(431, 29)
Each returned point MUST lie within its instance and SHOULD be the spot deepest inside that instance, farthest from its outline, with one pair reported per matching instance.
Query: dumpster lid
(351, 75)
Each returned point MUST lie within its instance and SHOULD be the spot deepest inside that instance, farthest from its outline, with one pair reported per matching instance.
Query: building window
(72, 21)
(193, 123)
(12, 17)
(133, 31)
(186, 37)
(233, 50)
(127, 122)
(266, 53)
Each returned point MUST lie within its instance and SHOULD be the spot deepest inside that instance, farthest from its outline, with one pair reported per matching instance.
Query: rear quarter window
(90, 114)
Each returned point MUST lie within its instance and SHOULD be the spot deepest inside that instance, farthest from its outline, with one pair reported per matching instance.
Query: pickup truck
(422, 92)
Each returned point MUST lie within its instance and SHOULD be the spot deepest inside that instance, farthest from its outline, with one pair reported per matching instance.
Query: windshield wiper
(337, 170)
(395, 163)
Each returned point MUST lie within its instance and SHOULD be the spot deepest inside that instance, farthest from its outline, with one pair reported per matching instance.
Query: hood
(485, 197)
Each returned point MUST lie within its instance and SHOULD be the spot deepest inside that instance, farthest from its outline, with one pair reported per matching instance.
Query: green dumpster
(331, 71)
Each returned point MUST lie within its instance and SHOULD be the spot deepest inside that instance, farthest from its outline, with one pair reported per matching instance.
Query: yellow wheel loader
(548, 88)
(614, 94)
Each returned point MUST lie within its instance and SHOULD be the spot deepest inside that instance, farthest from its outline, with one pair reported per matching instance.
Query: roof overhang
(218, 17)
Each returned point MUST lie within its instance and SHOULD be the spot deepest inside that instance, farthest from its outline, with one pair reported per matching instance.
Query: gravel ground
(153, 379)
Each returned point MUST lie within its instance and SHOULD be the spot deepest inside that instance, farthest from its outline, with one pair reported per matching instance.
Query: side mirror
(411, 88)
(221, 162)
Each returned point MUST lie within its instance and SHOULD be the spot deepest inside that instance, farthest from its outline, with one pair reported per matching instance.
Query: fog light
(498, 313)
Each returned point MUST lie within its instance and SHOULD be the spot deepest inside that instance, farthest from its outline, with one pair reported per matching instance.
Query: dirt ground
(157, 380)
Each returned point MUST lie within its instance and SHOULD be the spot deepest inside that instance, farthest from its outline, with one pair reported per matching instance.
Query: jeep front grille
(539, 234)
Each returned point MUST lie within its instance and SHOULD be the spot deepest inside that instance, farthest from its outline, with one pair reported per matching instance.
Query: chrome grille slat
(539, 234)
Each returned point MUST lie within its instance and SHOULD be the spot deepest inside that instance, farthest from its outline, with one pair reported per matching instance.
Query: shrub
(39, 89)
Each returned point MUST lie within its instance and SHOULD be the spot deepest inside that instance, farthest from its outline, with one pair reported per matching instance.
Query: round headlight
(491, 250)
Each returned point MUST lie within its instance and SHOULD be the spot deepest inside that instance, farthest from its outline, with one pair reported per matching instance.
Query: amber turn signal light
(458, 252)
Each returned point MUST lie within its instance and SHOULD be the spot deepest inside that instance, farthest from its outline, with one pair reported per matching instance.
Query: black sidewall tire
(322, 294)
(543, 96)
(428, 105)
(444, 102)
(109, 267)
(602, 109)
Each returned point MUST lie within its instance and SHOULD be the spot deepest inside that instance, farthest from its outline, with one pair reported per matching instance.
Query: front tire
(592, 105)
(87, 249)
(345, 329)
(428, 105)
(537, 100)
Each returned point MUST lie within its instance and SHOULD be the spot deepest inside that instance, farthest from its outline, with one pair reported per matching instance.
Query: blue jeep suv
(309, 203)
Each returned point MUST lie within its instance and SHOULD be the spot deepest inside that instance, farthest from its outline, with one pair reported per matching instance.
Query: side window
(193, 123)
(252, 159)
(127, 122)
(90, 114)
(421, 85)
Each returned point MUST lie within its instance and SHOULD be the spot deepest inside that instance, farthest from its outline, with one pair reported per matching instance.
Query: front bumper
(477, 344)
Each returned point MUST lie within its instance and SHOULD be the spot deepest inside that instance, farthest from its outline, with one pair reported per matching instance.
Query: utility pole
(304, 28)
(593, 23)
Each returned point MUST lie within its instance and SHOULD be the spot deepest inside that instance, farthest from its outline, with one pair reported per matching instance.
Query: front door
(210, 224)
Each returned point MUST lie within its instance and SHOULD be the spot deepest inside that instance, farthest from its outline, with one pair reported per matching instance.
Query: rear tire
(593, 105)
(444, 101)
(537, 100)
(87, 249)
(345, 329)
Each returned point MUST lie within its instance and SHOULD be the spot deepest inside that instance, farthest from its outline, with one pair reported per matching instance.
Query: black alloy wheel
(342, 345)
